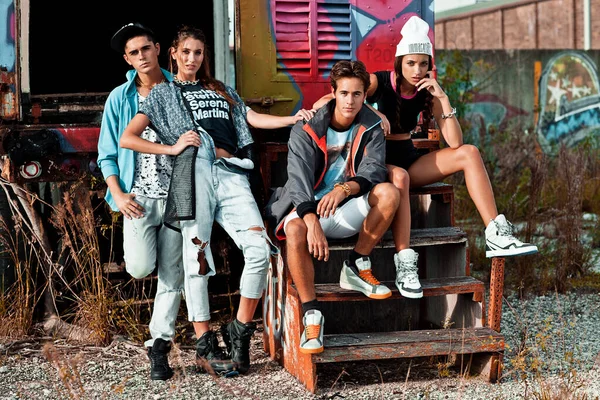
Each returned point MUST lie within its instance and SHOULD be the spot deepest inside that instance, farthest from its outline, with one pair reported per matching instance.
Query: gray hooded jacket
(307, 163)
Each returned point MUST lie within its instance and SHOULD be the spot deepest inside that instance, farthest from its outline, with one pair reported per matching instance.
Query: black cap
(127, 32)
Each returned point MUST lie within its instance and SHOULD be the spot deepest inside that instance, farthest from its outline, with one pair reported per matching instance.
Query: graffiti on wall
(7, 35)
(569, 100)
(504, 95)
(489, 111)
(345, 30)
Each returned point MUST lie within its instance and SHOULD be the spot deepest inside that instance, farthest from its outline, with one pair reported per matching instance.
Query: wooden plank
(426, 144)
(429, 237)
(418, 237)
(431, 287)
(434, 188)
(408, 344)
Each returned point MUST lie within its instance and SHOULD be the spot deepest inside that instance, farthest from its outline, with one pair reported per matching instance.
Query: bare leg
(299, 260)
(384, 200)
(246, 309)
(434, 167)
(201, 327)
(401, 223)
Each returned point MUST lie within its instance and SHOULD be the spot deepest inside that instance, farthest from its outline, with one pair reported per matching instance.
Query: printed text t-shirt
(212, 112)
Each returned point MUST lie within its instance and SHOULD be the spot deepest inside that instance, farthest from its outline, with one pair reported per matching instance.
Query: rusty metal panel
(496, 292)
(74, 158)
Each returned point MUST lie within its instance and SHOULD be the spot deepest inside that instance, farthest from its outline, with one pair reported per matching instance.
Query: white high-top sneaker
(407, 278)
(360, 278)
(500, 242)
(311, 340)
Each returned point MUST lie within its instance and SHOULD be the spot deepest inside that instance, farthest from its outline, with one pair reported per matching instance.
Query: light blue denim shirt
(120, 107)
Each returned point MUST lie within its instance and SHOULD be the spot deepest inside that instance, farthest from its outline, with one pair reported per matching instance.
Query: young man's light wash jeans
(146, 244)
(223, 195)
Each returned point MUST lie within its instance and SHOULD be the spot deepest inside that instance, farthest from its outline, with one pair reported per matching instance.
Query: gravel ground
(553, 352)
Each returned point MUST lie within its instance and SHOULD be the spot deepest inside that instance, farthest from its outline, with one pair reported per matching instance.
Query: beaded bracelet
(345, 187)
(451, 114)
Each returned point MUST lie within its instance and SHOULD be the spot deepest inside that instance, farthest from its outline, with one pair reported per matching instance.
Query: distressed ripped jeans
(223, 195)
(147, 243)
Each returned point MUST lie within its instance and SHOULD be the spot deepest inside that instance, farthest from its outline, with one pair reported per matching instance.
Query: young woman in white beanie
(401, 95)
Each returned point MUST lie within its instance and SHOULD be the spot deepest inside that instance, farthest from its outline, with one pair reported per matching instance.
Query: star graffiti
(555, 92)
(578, 91)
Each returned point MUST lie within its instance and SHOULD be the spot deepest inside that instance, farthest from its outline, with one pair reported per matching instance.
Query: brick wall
(527, 24)
(520, 28)
(485, 38)
(595, 11)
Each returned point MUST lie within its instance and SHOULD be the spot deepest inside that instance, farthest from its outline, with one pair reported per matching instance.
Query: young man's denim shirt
(120, 107)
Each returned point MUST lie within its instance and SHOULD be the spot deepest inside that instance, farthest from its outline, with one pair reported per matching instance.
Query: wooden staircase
(450, 320)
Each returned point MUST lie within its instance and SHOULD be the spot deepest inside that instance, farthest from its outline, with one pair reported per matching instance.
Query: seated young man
(336, 169)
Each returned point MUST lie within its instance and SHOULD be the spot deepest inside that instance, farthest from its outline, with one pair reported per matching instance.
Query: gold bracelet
(345, 187)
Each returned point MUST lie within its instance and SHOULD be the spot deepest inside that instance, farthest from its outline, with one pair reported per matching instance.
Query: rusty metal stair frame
(282, 310)
(484, 346)
(496, 293)
(282, 316)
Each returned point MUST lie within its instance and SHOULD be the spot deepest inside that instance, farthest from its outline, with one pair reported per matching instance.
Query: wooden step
(428, 144)
(431, 287)
(418, 237)
(434, 188)
(408, 344)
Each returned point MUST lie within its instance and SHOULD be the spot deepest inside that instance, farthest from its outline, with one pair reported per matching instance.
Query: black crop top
(386, 97)
(212, 112)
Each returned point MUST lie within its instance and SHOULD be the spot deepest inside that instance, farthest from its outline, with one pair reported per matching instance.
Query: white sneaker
(407, 279)
(500, 242)
(311, 341)
(361, 278)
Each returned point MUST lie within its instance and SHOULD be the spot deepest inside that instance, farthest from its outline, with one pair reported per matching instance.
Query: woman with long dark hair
(400, 96)
(204, 124)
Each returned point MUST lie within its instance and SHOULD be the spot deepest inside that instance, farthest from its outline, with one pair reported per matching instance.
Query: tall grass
(19, 299)
(90, 307)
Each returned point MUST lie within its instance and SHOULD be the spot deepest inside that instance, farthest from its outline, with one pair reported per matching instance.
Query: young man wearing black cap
(137, 187)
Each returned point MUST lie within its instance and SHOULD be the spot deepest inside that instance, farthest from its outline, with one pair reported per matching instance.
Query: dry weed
(19, 300)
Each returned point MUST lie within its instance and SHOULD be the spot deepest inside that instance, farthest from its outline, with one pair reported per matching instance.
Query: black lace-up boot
(236, 336)
(209, 352)
(159, 360)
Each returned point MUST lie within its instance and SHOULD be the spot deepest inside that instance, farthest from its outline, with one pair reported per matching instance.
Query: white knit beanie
(414, 38)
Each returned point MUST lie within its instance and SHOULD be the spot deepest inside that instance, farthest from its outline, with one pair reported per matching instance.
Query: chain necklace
(139, 83)
(176, 79)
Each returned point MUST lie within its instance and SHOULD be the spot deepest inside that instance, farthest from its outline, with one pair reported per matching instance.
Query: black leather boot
(159, 360)
(236, 336)
(208, 351)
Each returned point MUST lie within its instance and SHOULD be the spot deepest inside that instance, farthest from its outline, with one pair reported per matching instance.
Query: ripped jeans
(223, 195)
(147, 243)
